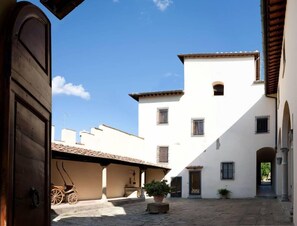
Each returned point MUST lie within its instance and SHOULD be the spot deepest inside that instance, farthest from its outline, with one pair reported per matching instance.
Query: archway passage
(266, 172)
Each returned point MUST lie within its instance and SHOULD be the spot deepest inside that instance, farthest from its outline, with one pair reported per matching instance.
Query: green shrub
(224, 192)
(157, 188)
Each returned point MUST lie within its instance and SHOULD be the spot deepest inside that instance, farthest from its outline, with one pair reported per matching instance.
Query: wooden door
(195, 182)
(27, 187)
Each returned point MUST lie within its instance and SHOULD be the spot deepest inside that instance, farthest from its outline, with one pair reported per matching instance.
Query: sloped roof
(136, 96)
(273, 19)
(218, 54)
(61, 151)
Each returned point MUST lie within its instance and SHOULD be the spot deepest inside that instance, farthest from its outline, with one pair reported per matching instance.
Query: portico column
(285, 197)
(142, 181)
(104, 182)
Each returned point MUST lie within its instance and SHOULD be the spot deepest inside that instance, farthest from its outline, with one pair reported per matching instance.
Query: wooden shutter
(163, 154)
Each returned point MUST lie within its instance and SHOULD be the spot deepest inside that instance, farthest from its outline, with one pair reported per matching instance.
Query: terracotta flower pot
(159, 198)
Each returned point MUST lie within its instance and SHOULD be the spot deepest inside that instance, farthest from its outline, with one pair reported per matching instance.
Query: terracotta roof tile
(136, 96)
(61, 148)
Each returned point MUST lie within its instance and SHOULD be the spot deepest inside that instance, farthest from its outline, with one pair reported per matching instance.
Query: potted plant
(157, 189)
(224, 193)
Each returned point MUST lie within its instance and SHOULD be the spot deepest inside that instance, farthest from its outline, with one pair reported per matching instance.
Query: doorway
(176, 187)
(265, 173)
(195, 183)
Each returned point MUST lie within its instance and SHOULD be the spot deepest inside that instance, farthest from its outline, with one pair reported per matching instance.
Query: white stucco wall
(287, 94)
(106, 139)
(231, 118)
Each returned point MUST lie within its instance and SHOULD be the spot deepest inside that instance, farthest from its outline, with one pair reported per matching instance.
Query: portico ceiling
(273, 19)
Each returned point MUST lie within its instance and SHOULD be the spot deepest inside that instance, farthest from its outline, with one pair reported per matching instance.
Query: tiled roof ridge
(92, 153)
(136, 96)
(255, 53)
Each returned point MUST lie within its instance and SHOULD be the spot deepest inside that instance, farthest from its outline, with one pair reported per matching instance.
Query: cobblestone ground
(183, 212)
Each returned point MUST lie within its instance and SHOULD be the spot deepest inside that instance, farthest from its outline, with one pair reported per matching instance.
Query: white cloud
(115, 1)
(59, 86)
(162, 4)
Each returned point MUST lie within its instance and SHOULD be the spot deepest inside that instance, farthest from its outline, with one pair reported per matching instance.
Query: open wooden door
(25, 188)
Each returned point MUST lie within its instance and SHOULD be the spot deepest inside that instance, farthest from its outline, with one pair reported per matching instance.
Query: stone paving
(182, 212)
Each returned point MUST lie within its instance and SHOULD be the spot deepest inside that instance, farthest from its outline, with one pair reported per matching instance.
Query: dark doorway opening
(266, 172)
(176, 187)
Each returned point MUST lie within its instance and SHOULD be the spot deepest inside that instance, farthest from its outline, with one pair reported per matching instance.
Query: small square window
(163, 154)
(262, 124)
(198, 127)
(162, 116)
(227, 170)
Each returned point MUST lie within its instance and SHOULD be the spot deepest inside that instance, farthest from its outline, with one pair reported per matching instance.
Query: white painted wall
(287, 93)
(108, 140)
(231, 118)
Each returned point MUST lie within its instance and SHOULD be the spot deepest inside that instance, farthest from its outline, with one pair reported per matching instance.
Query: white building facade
(215, 132)
(279, 41)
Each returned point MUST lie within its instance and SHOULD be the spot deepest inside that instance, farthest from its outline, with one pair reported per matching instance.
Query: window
(163, 154)
(198, 127)
(262, 124)
(162, 116)
(218, 90)
(227, 170)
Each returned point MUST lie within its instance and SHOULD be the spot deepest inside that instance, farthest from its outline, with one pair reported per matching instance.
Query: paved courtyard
(182, 212)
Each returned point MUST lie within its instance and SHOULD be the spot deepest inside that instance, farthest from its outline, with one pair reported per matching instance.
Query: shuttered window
(197, 127)
(163, 154)
(227, 170)
(162, 117)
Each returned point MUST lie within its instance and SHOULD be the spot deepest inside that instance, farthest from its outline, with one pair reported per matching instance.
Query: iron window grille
(227, 170)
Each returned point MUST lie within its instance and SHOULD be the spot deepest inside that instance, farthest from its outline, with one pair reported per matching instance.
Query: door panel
(195, 183)
(176, 187)
(25, 199)
(30, 169)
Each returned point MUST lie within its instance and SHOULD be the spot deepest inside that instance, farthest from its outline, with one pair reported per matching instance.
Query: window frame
(159, 121)
(227, 177)
(158, 154)
(193, 120)
(267, 117)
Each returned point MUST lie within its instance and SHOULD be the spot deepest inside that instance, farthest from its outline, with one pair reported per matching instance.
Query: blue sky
(106, 49)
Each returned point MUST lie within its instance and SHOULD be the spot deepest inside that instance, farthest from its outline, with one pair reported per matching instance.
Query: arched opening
(287, 156)
(266, 172)
(218, 89)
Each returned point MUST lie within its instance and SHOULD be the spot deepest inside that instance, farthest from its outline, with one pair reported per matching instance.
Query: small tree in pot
(157, 189)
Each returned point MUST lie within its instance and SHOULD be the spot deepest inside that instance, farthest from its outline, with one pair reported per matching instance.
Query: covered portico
(99, 175)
